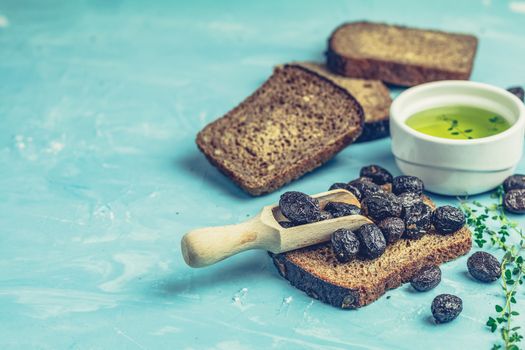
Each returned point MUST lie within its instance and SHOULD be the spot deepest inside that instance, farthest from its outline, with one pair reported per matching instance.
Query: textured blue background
(100, 102)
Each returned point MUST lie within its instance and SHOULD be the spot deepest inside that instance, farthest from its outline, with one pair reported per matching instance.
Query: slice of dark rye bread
(316, 271)
(293, 123)
(373, 96)
(399, 55)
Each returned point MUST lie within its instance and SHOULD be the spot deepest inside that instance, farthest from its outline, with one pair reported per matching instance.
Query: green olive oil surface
(458, 122)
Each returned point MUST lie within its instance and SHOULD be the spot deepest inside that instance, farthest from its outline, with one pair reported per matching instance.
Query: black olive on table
(517, 91)
(484, 267)
(514, 182)
(446, 307)
(514, 201)
(426, 278)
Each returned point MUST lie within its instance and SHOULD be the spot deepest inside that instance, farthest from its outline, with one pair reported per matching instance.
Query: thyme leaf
(489, 223)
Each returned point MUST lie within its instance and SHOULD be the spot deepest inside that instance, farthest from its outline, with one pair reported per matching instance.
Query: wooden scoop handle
(206, 246)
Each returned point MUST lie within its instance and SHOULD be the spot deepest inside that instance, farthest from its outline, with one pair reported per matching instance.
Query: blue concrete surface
(100, 102)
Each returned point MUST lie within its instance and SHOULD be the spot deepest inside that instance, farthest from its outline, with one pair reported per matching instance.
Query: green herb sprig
(491, 223)
(496, 120)
(455, 129)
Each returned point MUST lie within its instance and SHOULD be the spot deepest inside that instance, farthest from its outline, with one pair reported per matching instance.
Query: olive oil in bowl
(458, 122)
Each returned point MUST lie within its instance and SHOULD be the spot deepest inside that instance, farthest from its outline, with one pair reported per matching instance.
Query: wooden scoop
(206, 246)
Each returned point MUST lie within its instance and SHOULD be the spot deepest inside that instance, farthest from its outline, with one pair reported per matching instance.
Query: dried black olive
(514, 182)
(345, 245)
(286, 224)
(338, 209)
(355, 191)
(408, 199)
(404, 183)
(446, 307)
(518, 91)
(299, 207)
(514, 201)
(448, 219)
(365, 188)
(379, 175)
(484, 267)
(372, 242)
(380, 206)
(426, 278)
(417, 220)
(325, 215)
(363, 179)
(350, 188)
(392, 229)
(338, 185)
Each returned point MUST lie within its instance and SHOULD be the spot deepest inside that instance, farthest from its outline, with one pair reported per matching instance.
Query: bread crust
(258, 186)
(392, 72)
(315, 287)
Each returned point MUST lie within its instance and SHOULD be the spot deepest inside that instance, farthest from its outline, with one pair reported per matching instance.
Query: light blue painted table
(100, 102)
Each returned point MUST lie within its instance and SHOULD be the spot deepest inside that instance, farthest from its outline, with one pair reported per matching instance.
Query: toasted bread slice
(294, 122)
(373, 96)
(399, 55)
(316, 271)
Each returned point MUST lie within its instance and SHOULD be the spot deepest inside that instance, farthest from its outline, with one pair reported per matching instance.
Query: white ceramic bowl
(457, 167)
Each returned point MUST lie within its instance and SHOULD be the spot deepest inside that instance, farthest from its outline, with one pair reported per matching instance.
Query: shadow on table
(195, 164)
(245, 269)
(198, 167)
